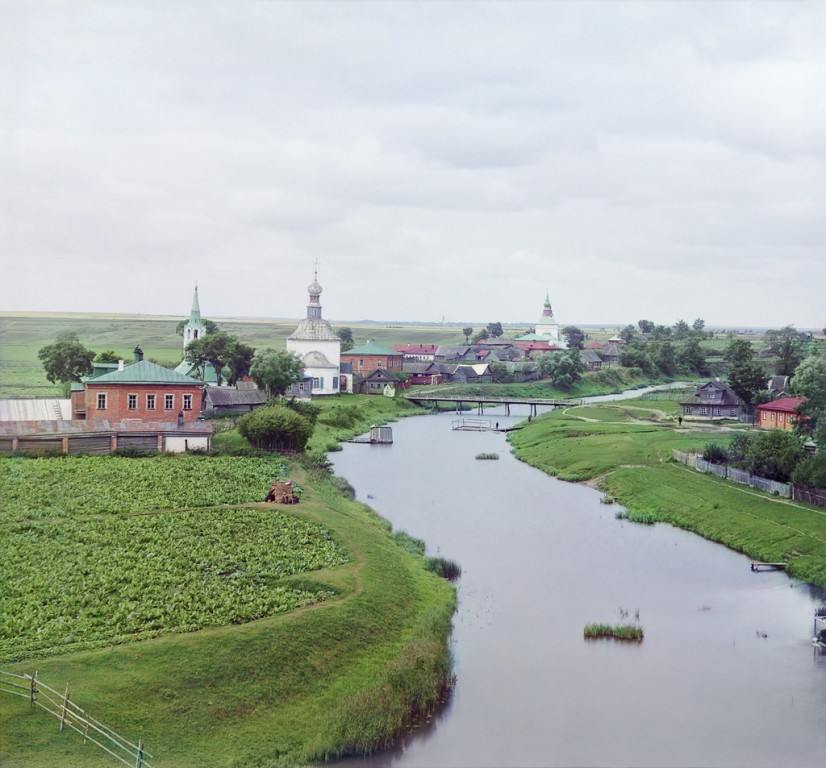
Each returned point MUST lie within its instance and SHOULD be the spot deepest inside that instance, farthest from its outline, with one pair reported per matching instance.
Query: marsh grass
(441, 566)
(627, 632)
(487, 456)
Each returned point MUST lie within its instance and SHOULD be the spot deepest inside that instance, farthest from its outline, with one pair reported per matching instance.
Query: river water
(727, 674)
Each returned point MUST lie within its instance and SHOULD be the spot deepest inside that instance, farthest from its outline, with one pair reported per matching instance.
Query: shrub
(715, 454)
(811, 471)
(441, 566)
(409, 543)
(276, 428)
(487, 456)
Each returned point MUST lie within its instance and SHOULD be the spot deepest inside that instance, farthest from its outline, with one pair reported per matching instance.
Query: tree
(628, 333)
(276, 428)
(495, 329)
(482, 335)
(681, 330)
(787, 345)
(346, 336)
(774, 454)
(561, 368)
(691, 357)
(645, 326)
(467, 333)
(66, 360)
(635, 355)
(220, 350)
(274, 371)
(209, 326)
(661, 332)
(698, 325)
(107, 356)
(501, 373)
(810, 382)
(739, 351)
(665, 358)
(574, 336)
(747, 379)
(239, 365)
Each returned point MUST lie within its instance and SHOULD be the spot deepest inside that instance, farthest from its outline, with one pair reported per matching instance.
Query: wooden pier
(758, 566)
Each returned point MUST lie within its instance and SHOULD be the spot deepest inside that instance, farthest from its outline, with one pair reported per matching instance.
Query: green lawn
(336, 676)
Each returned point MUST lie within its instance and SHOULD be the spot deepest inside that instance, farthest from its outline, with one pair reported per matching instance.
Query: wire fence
(70, 715)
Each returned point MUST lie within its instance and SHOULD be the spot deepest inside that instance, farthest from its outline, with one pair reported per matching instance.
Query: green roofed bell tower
(194, 327)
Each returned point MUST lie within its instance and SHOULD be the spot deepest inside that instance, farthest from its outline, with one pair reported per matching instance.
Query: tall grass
(615, 631)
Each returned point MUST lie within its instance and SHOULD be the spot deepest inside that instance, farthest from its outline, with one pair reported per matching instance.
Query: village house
(422, 373)
(590, 359)
(714, 400)
(780, 414)
(379, 382)
(423, 353)
(370, 357)
(141, 391)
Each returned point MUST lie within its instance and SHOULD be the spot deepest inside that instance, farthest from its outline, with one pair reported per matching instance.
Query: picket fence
(735, 475)
(72, 716)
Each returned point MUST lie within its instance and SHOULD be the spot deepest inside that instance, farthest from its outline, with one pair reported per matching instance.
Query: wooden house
(780, 414)
(714, 400)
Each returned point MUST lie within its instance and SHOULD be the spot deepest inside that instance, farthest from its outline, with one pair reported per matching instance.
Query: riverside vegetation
(318, 633)
(624, 449)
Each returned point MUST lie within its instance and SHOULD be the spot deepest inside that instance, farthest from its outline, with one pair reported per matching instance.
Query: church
(547, 329)
(318, 346)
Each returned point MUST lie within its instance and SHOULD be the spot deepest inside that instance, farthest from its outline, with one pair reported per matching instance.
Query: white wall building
(318, 346)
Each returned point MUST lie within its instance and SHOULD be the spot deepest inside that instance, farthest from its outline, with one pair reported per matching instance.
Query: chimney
(120, 365)
(138, 353)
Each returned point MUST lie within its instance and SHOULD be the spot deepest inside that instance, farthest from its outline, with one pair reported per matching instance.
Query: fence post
(139, 756)
(33, 693)
(63, 710)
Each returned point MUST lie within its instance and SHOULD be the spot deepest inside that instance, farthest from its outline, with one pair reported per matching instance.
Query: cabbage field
(101, 565)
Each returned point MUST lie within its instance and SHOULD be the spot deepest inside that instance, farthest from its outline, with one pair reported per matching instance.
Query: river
(726, 676)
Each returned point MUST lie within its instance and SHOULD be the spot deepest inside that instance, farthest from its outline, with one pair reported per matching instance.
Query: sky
(432, 159)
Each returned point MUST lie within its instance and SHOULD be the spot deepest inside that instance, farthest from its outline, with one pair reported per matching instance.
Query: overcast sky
(658, 160)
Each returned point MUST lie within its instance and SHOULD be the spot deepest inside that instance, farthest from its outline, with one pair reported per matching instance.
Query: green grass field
(337, 676)
(626, 449)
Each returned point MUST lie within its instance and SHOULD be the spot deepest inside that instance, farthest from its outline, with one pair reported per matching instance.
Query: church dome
(314, 288)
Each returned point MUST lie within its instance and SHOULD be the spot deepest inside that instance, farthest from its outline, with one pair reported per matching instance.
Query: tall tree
(574, 336)
(239, 365)
(665, 358)
(66, 360)
(467, 333)
(810, 382)
(690, 356)
(220, 350)
(645, 326)
(748, 380)
(628, 333)
(495, 329)
(682, 330)
(107, 356)
(739, 351)
(787, 345)
(274, 371)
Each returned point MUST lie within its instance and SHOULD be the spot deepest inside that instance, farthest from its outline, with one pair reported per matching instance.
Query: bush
(441, 566)
(811, 471)
(715, 454)
(487, 456)
(276, 428)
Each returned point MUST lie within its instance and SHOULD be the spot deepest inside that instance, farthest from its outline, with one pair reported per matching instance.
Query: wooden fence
(72, 716)
(816, 496)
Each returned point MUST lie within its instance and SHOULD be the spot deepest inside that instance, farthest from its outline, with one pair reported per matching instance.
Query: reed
(629, 632)
(487, 456)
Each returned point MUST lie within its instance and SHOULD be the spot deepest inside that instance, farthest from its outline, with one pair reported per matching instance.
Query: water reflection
(725, 676)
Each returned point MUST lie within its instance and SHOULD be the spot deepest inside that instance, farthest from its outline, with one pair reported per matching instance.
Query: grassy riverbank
(341, 675)
(625, 450)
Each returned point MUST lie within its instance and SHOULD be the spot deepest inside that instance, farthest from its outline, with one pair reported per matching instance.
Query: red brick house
(141, 391)
(371, 357)
(779, 414)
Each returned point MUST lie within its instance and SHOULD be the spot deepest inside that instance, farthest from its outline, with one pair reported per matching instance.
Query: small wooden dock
(471, 425)
(758, 566)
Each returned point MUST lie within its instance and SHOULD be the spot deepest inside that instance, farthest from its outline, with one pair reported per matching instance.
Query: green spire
(195, 315)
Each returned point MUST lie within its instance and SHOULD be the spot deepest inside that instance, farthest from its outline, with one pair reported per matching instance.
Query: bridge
(481, 402)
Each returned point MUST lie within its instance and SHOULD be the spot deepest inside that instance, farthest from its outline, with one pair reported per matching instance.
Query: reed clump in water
(615, 631)
(487, 456)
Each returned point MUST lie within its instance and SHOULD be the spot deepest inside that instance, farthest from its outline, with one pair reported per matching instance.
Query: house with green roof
(142, 391)
(371, 357)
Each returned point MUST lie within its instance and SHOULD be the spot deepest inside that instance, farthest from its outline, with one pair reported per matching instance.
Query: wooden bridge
(494, 402)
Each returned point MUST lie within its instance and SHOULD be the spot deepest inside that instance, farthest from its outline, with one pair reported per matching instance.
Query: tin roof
(35, 409)
(144, 372)
(96, 426)
(785, 404)
(371, 348)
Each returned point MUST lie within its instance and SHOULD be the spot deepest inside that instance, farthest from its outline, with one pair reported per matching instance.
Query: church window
(195, 334)
(132, 402)
(335, 382)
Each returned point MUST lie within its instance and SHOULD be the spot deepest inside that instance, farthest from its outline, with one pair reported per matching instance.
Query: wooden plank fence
(816, 496)
(70, 715)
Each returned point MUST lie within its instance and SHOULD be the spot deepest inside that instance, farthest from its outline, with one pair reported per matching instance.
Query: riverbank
(340, 676)
(625, 451)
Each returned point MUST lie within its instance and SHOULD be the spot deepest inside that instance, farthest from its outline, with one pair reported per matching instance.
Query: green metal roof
(143, 372)
(371, 348)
